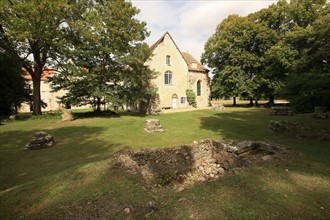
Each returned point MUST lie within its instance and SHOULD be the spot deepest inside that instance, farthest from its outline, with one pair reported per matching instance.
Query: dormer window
(193, 65)
(168, 60)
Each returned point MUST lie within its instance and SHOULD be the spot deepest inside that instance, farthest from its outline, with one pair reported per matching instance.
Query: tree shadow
(96, 114)
(32, 181)
(270, 190)
(237, 125)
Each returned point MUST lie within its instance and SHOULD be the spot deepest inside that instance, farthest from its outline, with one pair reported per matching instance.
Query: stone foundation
(197, 162)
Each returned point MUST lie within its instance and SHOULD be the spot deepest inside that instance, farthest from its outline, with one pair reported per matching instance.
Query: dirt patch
(197, 162)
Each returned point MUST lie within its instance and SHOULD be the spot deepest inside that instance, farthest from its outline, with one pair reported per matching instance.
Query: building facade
(178, 72)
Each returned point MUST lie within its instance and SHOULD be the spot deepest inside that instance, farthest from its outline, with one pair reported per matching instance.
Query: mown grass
(77, 175)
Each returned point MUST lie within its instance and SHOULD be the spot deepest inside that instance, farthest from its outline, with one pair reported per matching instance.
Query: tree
(271, 51)
(13, 86)
(236, 54)
(105, 62)
(308, 84)
(32, 32)
(137, 88)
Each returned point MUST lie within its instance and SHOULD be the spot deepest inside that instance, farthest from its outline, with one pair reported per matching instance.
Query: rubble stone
(153, 125)
(40, 140)
(67, 115)
(196, 162)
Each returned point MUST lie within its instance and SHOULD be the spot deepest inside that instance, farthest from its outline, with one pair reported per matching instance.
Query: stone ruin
(197, 162)
(299, 131)
(153, 125)
(285, 126)
(67, 115)
(40, 140)
(281, 110)
(218, 107)
(320, 113)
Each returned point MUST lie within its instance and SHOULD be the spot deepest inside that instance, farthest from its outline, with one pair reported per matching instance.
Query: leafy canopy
(270, 52)
(105, 62)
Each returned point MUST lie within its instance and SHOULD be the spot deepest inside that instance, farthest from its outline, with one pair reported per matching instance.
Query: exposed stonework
(218, 107)
(299, 131)
(320, 113)
(40, 140)
(285, 126)
(12, 118)
(153, 125)
(197, 162)
(185, 72)
(282, 110)
(67, 115)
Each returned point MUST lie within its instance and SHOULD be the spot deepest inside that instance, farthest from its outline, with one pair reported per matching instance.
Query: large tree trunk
(256, 103)
(36, 78)
(271, 100)
(234, 101)
(98, 104)
(251, 102)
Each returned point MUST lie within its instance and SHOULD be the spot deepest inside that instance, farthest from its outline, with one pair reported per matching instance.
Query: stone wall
(196, 162)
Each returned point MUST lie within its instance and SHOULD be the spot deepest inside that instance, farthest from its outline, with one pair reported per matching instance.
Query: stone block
(153, 125)
(67, 115)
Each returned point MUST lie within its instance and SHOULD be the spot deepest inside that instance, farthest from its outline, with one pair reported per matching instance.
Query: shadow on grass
(237, 125)
(263, 192)
(32, 181)
(95, 114)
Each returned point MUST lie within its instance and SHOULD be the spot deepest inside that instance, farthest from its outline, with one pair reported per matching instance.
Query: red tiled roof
(44, 76)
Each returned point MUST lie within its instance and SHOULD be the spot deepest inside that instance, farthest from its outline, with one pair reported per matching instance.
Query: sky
(191, 22)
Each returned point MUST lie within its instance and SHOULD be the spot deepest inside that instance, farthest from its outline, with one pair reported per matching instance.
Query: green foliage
(238, 62)
(13, 86)
(33, 33)
(191, 97)
(106, 61)
(256, 56)
(308, 91)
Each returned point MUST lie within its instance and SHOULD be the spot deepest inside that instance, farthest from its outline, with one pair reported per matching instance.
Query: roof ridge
(185, 55)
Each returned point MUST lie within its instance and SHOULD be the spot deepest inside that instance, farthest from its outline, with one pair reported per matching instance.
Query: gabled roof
(188, 58)
(153, 47)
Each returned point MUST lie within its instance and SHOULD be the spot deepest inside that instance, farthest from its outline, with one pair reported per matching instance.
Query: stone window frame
(168, 78)
(168, 60)
(199, 88)
(183, 100)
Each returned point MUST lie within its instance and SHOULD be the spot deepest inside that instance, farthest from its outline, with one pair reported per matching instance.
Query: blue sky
(191, 22)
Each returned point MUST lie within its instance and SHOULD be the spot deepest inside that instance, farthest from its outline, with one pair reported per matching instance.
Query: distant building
(179, 71)
(48, 97)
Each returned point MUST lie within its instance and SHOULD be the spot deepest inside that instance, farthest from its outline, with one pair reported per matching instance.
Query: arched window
(168, 78)
(199, 88)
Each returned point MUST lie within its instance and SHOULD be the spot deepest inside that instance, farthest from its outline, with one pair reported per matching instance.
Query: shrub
(191, 97)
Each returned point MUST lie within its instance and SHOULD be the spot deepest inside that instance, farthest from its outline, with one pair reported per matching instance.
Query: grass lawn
(76, 178)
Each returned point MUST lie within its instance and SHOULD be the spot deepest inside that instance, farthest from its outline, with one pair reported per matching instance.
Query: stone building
(178, 71)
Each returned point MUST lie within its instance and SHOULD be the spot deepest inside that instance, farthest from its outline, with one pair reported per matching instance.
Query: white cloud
(192, 22)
